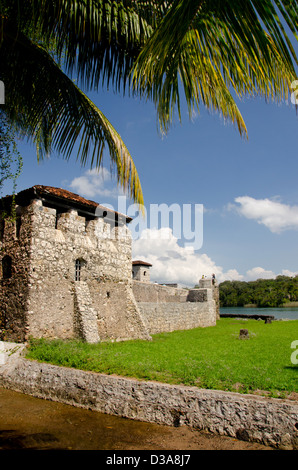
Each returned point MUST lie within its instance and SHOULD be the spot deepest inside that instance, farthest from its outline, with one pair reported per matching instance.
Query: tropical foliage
(45, 47)
(207, 50)
(262, 292)
(11, 161)
(211, 48)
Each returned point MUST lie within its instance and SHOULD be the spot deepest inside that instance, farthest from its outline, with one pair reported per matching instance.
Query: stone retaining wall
(271, 422)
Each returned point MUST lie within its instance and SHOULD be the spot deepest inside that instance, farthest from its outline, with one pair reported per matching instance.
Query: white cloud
(174, 263)
(183, 265)
(259, 273)
(286, 272)
(269, 212)
(95, 183)
(231, 275)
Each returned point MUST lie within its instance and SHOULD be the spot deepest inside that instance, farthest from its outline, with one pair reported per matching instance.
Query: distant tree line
(262, 292)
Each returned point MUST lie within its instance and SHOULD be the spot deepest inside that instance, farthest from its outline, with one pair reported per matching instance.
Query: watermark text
(2, 93)
(294, 355)
(294, 94)
(181, 221)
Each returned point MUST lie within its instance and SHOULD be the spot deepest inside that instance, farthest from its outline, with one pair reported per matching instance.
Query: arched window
(6, 267)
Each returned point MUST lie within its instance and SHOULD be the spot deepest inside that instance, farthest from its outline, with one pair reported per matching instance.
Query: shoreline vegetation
(279, 292)
(212, 358)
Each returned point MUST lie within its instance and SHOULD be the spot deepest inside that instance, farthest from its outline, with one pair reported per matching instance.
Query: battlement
(73, 223)
(52, 209)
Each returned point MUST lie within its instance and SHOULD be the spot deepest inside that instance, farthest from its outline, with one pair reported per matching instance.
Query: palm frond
(99, 40)
(48, 107)
(207, 50)
(210, 48)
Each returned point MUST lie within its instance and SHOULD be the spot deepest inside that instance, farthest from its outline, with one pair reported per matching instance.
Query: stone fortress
(67, 272)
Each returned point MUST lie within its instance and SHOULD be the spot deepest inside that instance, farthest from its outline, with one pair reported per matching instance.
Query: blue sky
(248, 189)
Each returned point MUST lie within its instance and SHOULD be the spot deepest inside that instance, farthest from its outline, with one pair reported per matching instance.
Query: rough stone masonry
(269, 421)
(66, 272)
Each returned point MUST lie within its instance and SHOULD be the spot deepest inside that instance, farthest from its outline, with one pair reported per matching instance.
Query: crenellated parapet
(71, 223)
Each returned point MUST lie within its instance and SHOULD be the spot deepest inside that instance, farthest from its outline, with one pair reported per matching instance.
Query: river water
(290, 313)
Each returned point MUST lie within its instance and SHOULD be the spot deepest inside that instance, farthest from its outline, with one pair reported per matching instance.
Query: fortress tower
(65, 269)
(141, 271)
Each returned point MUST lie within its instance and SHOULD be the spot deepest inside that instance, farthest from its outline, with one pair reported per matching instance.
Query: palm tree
(46, 43)
(205, 49)
(212, 49)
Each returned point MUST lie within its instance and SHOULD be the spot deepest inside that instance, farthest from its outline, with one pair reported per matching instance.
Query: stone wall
(209, 283)
(168, 308)
(119, 317)
(144, 292)
(271, 422)
(14, 286)
(168, 317)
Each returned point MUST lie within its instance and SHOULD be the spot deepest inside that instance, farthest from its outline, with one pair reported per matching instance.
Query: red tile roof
(62, 194)
(143, 263)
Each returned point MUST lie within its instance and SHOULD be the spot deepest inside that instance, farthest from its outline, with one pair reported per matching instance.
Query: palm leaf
(48, 107)
(98, 40)
(209, 48)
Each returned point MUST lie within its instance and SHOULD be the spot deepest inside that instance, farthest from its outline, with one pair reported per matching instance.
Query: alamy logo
(2, 93)
(2, 353)
(294, 95)
(294, 355)
(184, 222)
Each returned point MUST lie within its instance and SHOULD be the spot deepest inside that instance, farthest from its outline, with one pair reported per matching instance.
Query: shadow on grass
(292, 367)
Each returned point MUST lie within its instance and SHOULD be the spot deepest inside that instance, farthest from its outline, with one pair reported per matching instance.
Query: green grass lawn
(213, 357)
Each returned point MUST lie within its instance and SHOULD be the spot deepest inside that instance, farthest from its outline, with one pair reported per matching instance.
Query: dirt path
(31, 423)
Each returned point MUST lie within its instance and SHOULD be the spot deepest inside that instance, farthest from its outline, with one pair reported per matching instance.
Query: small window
(2, 228)
(78, 268)
(18, 226)
(57, 218)
(6, 267)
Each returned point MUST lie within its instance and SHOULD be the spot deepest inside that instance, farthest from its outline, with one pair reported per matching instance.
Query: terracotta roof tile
(139, 262)
(64, 195)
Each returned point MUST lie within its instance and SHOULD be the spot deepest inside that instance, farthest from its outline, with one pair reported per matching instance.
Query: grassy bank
(211, 357)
